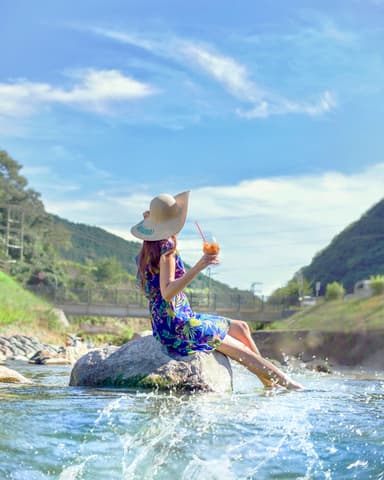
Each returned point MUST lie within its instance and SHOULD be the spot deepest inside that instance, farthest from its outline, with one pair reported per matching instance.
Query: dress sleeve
(167, 247)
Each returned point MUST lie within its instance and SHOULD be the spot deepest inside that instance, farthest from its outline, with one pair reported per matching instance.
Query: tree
(13, 185)
(108, 271)
(376, 282)
(41, 238)
(334, 291)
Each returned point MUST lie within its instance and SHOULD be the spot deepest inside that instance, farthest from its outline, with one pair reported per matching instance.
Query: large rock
(8, 375)
(144, 363)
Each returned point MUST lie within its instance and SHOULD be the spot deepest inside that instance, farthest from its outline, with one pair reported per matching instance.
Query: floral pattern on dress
(174, 323)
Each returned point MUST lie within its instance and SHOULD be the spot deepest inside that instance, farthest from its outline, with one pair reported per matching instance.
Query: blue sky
(271, 113)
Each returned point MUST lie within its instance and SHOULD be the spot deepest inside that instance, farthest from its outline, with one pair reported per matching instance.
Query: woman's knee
(243, 326)
(239, 325)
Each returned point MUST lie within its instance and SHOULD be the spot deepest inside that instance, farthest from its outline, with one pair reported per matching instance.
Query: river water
(333, 430)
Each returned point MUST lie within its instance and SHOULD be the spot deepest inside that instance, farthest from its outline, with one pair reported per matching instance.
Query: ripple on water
(334, 430)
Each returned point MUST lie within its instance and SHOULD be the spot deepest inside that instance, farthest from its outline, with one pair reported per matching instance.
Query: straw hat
(167, 215)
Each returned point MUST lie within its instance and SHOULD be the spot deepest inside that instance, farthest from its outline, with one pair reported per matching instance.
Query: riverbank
(343, 315)
(23, 313)
(356, 348)
(30, 349)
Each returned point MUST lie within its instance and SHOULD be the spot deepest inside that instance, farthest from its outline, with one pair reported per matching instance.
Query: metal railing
(238, 305)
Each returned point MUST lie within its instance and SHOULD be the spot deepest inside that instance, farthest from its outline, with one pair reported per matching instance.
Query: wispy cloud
(312, 28)
(268, 227)
(228, 72)
(270, 106)
(225, 70)
(237, 80)
(99, 172)
(93, 90)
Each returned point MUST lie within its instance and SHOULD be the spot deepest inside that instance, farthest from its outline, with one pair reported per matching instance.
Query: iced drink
(211, 248)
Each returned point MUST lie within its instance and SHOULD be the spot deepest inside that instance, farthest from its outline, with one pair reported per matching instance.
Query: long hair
(149, 256)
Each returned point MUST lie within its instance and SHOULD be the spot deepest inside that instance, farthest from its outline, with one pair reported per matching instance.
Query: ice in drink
(211, 248)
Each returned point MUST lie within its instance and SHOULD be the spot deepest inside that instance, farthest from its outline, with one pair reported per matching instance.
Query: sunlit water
(333, 430)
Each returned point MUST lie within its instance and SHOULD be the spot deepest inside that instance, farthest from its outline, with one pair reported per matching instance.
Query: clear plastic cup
(210, 246)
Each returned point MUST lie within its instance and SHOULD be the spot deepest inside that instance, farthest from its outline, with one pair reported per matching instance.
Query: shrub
(376, 282)
(334, 291)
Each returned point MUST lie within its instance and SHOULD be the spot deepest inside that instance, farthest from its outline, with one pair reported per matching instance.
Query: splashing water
(333, 430)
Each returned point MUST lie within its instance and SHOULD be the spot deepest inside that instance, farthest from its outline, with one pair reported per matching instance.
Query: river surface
(333, 430)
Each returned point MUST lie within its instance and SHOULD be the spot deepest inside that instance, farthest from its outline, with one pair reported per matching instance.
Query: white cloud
(265, 108)
(94, 90)
(236, 79)
(268, 227)
(232, 75)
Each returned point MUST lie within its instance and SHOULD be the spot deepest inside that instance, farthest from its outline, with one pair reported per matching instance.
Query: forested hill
(88, 242)
(93, 243)
(355, 254)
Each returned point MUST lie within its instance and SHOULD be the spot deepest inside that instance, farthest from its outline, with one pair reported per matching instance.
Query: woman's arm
(169, 286)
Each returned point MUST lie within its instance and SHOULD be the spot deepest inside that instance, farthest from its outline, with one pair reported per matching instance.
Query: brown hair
(150, 256)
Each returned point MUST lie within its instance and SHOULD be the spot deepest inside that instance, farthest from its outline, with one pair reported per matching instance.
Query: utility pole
(300, 284)
(257, 290)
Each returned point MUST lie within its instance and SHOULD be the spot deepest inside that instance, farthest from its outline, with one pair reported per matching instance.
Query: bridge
(130, 302)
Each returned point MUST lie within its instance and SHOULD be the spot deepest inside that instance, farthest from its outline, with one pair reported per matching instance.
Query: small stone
(8, 375)
(318, 366)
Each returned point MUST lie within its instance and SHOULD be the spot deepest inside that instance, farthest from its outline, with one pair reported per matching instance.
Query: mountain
(355, 254)
(88, 242)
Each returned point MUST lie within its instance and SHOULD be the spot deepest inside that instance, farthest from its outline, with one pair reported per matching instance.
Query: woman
(163, 279)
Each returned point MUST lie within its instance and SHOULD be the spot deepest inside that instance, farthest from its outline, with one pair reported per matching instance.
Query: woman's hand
(207, 260)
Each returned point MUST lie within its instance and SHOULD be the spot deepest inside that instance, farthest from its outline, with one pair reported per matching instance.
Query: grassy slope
(338, 315)
(21, 312)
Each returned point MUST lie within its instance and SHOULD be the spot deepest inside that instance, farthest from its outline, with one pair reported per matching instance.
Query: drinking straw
(201, 232)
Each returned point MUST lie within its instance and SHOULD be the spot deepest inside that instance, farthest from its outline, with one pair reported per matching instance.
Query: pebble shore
(32, 350)
(22, 347)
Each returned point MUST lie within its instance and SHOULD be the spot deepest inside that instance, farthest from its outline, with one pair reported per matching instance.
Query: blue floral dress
(174, 323)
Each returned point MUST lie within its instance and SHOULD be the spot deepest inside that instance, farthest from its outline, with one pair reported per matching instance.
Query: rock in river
(144, 363)
(8, 375)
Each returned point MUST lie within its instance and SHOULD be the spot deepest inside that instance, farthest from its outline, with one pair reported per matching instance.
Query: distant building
(362, 289)
(308, 301)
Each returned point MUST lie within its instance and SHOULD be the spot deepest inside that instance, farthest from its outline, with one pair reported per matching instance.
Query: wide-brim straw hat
(167, 215)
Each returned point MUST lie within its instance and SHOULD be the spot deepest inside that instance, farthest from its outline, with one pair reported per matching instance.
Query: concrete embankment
(365, 348)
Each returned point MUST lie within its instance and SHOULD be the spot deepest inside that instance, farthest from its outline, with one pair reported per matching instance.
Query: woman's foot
(292, 385)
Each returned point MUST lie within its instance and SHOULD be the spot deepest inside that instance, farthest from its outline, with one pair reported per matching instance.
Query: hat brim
(151, 231)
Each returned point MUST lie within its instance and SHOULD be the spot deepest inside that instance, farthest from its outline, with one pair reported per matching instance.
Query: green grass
(23, 312)
(338, 315)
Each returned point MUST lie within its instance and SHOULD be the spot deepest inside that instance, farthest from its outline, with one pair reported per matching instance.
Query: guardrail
(131, 302)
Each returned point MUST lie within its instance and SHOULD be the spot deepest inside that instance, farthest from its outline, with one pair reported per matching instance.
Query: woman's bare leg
(266, 371)
(240, 330)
